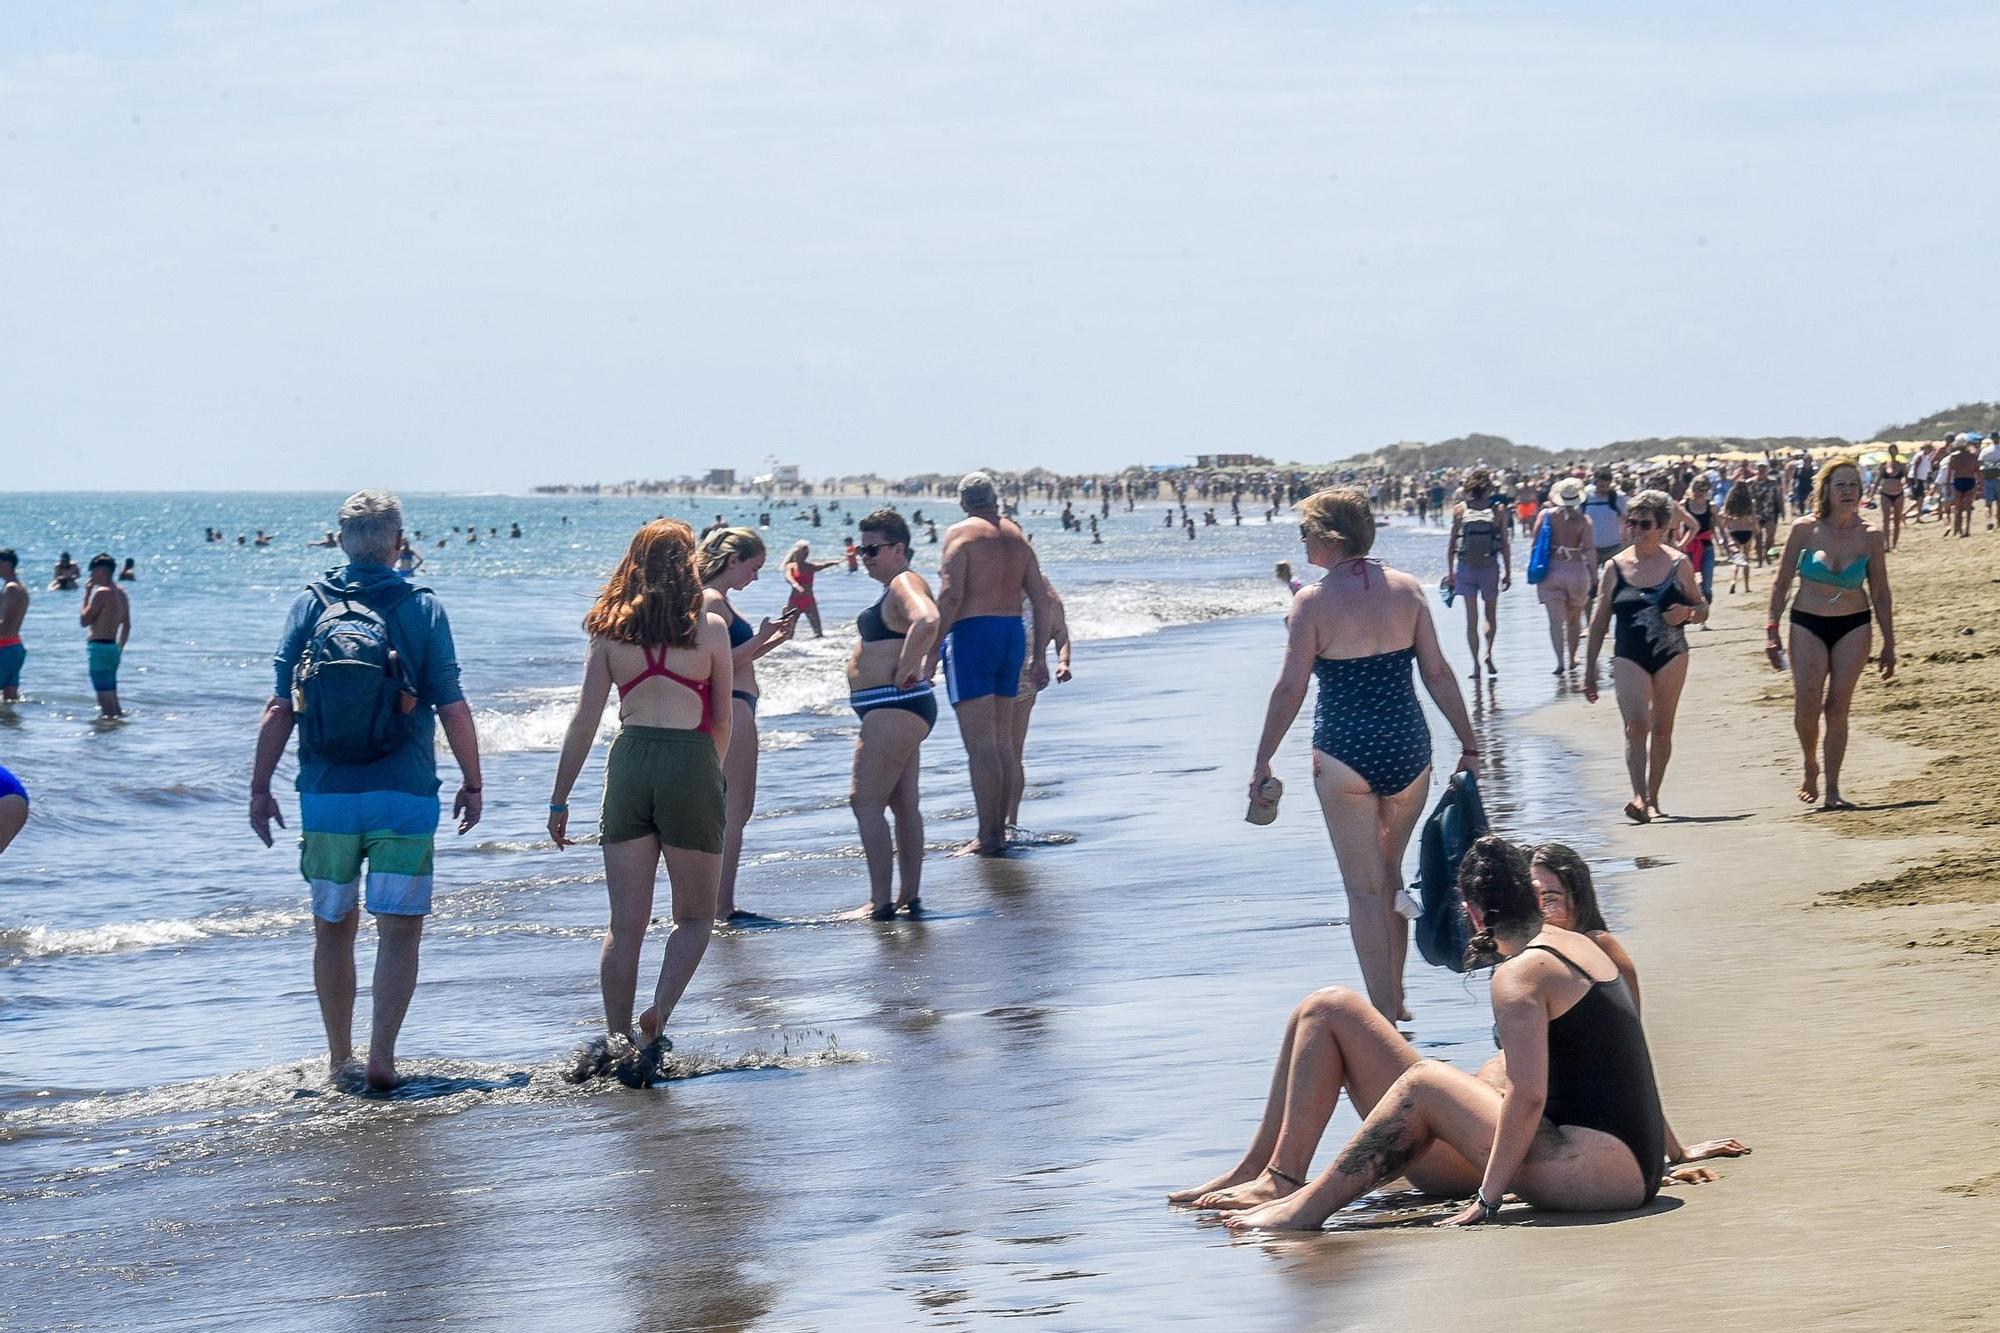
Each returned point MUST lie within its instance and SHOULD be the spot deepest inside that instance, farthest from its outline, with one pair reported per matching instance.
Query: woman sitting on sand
(1360, 629)
(1578, 1129)
(663, 790)
(1649, 590)
(1843, 571)
(1569, 902)
(729, 561)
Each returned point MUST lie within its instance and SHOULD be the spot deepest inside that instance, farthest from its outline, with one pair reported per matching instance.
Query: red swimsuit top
(657, 666)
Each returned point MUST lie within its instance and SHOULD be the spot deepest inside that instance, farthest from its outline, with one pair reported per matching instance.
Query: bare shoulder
(911, 584)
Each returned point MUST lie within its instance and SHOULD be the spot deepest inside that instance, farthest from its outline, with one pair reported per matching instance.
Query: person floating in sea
(1578, 1129)
(663, 785)
(1651, 592)
(1360, 629)
(67, 575)
(367, 774)
(1481, 561)
(889, 688)
(987, 571)
(1564, 591)
(800, 570)
(107, 622)
(13, 610)
(729, 561)
(1843, 572)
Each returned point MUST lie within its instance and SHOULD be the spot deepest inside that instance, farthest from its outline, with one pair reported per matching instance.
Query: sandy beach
(1842, 1031)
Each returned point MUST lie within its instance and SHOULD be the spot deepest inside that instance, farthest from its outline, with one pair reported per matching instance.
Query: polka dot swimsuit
(1368, 718)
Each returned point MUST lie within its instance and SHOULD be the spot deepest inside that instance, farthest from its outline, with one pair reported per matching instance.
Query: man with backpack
(365, 665)
(1481, 560)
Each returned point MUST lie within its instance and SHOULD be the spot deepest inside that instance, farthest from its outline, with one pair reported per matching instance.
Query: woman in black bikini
(1843, 571)
(1890, 479)
(1739, 522)
(1649, 589)
(891, 693)
(1578, 1129)
(729, 561)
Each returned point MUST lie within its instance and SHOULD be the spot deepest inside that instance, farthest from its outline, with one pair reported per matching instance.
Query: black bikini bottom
(1831, 629)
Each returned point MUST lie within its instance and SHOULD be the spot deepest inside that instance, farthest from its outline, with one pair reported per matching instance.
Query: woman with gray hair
(1651, 591)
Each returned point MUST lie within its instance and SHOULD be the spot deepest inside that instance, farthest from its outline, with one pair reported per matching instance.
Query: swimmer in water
(107, 620)
(66, 576)
(129, 574)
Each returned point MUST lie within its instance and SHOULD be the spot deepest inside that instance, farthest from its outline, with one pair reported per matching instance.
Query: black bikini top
(872, 627)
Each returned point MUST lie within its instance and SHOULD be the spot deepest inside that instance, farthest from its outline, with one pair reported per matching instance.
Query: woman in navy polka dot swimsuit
(1362, 629)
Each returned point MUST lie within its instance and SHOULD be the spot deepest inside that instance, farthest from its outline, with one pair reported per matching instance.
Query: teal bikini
(1832, 629)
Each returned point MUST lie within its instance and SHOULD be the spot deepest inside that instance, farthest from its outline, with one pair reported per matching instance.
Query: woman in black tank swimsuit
(1579, 1129)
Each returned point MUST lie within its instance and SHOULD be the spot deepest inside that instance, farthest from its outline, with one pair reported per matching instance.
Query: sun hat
(1568, 493)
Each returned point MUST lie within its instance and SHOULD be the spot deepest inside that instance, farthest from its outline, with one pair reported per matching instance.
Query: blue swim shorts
(983, 656)
(392, 831)
(11, 658)
(104, 658)
(1989, 489)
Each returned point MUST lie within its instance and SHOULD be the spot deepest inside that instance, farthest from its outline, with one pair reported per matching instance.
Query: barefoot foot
(1236, 1175)
(1265, 1188)
(1286, 1214)
(1809, 788)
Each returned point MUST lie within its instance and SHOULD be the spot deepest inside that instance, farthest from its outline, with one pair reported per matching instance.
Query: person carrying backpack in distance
(365, 664)
(1481, 560)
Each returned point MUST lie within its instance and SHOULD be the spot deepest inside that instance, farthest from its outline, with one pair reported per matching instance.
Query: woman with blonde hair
(1651, 591)
(729, 561)
(663, 785)
(1843, 571)
(1360, 629)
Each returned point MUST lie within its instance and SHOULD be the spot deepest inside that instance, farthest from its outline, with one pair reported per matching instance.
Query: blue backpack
(351, 687)
(1540, 553)
(1442, 928)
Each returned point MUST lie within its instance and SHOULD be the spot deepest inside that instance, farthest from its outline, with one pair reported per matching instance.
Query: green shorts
(666, 783)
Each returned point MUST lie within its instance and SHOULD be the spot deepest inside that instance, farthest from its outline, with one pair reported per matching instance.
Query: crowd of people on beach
(1566, 1117)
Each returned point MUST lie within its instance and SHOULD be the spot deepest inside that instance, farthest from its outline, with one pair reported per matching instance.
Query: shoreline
(1853, 1059)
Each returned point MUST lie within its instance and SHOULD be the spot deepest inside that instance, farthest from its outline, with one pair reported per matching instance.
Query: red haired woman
(663, 787)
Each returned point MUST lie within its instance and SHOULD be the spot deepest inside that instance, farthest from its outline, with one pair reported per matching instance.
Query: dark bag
(350, 689)
(1442, 928)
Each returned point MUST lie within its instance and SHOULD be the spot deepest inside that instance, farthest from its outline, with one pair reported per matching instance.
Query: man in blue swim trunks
(988, 571)
(107, 618)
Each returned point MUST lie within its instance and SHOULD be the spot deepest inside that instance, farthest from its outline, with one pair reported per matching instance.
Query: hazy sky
(483, 245)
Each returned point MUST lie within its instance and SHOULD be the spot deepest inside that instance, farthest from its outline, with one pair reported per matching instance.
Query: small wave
(116, 936)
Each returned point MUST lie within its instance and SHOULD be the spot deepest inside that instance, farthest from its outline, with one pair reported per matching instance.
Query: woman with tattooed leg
(1578, 1129)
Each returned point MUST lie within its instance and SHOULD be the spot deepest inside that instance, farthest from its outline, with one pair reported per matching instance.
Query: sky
(471, 245)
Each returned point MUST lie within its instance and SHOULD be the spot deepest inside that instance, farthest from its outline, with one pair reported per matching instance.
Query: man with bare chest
(107, 620)
(13, 610)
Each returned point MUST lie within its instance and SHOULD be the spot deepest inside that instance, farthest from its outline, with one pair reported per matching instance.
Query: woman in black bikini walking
(1843, 572)
(1890, 479)
(1651, 591)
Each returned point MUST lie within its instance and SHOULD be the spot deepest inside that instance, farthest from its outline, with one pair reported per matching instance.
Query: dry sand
(1817, 984)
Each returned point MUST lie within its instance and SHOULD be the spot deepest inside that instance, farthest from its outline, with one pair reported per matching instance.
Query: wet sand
(1846, 1036)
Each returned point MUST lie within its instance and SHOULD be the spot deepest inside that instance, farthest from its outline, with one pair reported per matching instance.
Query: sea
(939, 1123)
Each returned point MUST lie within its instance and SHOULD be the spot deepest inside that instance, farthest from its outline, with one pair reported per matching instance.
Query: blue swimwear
(1368, 718)
(11, 786)
(13, 654)
(740, 633)
(983, 656)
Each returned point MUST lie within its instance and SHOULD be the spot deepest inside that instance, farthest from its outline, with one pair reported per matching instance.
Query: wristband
(555, 809)
(1488, 1209)
(470, 791)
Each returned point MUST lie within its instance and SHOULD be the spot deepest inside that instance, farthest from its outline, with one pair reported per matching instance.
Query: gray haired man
(989, 571)
(367, 671)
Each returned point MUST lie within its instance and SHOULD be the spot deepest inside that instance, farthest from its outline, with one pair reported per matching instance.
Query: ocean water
(905, 1125)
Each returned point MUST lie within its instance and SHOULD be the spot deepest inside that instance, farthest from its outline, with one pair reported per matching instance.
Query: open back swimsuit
(1832, 629)
(1601, 1074)
(1368, 718)
(657, 666)
(1641, 634)
(664, 782)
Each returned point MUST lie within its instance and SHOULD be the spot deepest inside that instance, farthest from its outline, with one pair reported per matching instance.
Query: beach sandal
(885, 912)
(639, 1066)
(915, 907)
(1637, 813)
(588, 1061)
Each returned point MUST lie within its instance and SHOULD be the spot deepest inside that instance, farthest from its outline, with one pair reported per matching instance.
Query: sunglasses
(1642, 524)
(873, 549)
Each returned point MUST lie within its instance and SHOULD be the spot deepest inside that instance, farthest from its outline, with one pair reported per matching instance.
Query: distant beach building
(720, 478)
(1206, 461)
(780, 475)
